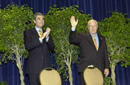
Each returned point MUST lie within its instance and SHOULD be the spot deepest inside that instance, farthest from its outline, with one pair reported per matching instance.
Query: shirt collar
(95, 35)
(38, 29)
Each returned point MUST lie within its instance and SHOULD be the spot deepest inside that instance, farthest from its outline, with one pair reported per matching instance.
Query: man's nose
(92, 27)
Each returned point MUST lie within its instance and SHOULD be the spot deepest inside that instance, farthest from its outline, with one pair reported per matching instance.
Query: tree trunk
(113, 74)
(68, 63)
(70, 74)
(19, 65)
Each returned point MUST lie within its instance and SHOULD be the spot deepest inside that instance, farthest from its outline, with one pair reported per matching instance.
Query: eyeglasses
(93, 26)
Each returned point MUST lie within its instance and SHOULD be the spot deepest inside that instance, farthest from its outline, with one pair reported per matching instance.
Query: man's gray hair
(92, 20)
(35, 15)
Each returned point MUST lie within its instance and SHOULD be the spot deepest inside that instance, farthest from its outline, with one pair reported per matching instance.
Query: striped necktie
(40, 33)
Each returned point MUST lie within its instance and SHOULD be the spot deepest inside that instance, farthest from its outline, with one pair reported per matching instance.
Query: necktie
(94, 41)
(40, 33)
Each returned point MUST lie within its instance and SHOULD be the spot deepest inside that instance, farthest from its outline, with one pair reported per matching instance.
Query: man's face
(39, 22)
(92, 27)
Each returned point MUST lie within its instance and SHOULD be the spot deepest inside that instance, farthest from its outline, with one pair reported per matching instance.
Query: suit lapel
(89, 39)
(100, 41)
(34, 32)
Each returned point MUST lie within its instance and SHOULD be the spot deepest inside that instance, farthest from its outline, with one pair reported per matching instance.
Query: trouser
(34, 78)
(82, 82)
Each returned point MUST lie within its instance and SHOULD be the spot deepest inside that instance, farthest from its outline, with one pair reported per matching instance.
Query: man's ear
(34, 21)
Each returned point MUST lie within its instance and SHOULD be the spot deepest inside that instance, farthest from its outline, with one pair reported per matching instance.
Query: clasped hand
(46, 34)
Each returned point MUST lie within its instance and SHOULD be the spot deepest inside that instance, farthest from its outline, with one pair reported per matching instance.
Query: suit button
(42, 57)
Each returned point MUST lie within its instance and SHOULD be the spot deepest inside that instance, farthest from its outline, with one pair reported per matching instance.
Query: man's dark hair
(35, 15)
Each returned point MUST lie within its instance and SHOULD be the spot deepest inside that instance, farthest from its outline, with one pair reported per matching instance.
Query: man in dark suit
(93, 48)
(37, 42)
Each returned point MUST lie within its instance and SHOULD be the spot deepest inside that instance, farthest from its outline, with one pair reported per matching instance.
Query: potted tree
(14, 20)
(116, 29)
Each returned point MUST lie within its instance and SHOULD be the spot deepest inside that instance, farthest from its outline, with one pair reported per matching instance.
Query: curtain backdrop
(97, 8)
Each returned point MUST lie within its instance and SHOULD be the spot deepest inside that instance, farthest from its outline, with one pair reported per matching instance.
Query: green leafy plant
(3, 83)
(107, 81)
(14, 20)
(116, 29)
(66, 54)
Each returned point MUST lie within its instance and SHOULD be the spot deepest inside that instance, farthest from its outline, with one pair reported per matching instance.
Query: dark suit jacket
(89, 54)
(39, 56)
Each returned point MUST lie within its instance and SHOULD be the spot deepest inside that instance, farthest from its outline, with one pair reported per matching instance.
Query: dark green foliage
(3, 83)
(107, 81)
(13, 21)
(116, 30)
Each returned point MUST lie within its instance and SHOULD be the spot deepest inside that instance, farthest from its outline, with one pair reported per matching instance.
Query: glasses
(93, 26)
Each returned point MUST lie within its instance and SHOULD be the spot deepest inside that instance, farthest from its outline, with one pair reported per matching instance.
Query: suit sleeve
(106, 57)
(50, 43)
(73, 38)
(29, 42)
